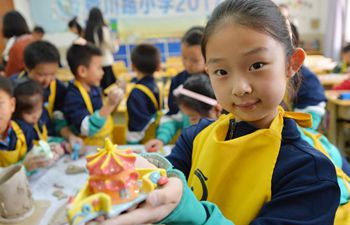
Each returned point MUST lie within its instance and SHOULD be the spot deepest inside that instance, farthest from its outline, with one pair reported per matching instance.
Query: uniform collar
(236, 130)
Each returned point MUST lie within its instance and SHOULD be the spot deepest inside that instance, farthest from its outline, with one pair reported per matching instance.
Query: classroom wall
(310, 14)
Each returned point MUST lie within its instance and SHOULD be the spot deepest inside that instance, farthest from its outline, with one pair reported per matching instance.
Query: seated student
(16, 137)
(344, 65)
(193, 62)
(41, 62)
(83, 105)
(310, 97)
(29, 97)
(196, 100)
(145, 102)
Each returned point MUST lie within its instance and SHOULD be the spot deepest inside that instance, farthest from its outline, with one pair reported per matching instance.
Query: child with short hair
(193, 62)
(38, 33)
(145, 102)
(344, 66)
(83, 106)
(29, 97)
(250, 166)
(196, 100)
(41, 62)
(16, 136)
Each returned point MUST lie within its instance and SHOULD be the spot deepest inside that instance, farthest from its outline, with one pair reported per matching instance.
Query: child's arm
(115, 96)
(168, 127)
(92, 124)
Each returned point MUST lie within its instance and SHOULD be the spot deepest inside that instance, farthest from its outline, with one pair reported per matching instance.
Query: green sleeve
(189, 210)
(167, 129)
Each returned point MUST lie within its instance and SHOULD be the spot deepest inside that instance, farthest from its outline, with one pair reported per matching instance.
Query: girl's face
(33, 116)
(192, 58)
(248, 72)
(194, 116)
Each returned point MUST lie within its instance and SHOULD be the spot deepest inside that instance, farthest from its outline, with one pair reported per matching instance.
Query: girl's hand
(32, 161)
(154, 145)
(159, 204)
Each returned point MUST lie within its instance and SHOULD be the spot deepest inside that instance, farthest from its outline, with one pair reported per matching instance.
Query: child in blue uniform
(29, 97)
(310, 97)
(42, 60)
(192, 60)
(83, 106)
(16, 136)
(145, 102)
(344, 65)
(196, 100)
(250, 166)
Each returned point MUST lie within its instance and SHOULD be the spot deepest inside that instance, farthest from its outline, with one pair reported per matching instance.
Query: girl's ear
(295, 62)
(12, 104)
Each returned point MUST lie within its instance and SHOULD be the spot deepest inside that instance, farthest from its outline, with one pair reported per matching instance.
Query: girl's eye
(220, 72)
(256, 66)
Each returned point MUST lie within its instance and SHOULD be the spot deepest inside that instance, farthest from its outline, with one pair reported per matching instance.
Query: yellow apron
(151, 131)
(241, 185)
(42, 134)
(51, 101)
(8, 157)
(342, 216)
(106, 131)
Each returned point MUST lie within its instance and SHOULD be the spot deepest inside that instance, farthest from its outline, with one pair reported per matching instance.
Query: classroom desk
(338, 110)
(329, 80)
(319, 64)
(42, 184)
(64, 75)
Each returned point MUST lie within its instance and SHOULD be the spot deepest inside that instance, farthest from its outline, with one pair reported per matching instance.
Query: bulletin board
(129, 19)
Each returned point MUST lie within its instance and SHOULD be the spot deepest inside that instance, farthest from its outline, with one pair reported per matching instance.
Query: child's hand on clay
(115, 96)
(57, 150)
(32, 161)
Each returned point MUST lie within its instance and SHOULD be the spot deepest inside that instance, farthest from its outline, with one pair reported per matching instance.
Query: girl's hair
(199, 83)
(94, 24)
(23, 93)
(74, 23)
(261, 15)
(193, 36)
(14, 24)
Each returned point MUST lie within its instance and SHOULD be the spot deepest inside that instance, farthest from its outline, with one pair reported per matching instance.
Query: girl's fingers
(145, 215)
(159, 204)
(170, 193)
